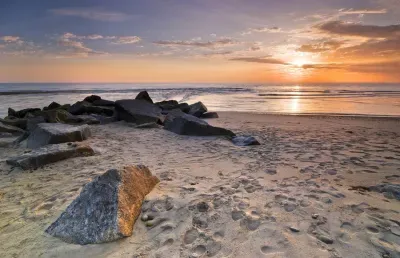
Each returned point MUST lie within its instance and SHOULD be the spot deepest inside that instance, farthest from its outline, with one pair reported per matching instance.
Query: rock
(12, 112)
(92, 98)
(294, 229)
(79, 108)
(106, 209)
(390, 190)
(138, 111)
(10, 129)
(57, 116)
(148, 125)
(326, 239)
(53, 105)
(14, 121)
(82, 120)
(245, 141)
(50, 154)
(105, 119)
(144, 95)
(28, 112)
(197, 109)
(315, 216)
(104, 103)
(33, 122)
(167, 104)
(184, 124)
(209, 115)
(47, 133)
(271, 171)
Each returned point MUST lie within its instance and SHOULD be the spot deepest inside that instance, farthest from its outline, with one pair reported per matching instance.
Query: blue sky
(250, 32)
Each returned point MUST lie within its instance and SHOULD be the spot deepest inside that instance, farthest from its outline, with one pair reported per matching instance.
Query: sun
(299, 62)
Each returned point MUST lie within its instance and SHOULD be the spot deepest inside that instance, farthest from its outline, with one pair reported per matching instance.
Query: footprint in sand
(372, 229)
(237, 215)
(250, 223)
(190, 236)
(289, 207)
(199, 250)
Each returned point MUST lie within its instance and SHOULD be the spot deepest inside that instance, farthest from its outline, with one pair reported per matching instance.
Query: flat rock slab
(47, 133)
(50, 154)
(107, 207)
(138, 111)
(10, 129)
(184, 124)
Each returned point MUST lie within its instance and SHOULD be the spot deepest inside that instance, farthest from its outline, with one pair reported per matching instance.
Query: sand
(289, 197)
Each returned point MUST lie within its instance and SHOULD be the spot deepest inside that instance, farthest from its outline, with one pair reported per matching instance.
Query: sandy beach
(301, 193)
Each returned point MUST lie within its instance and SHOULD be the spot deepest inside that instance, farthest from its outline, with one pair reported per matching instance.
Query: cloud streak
(260, 60)
(191, 43)
(92, 14)
(262, 29)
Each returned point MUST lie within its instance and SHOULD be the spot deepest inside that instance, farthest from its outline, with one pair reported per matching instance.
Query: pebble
(326, 239)
(294, 229)
(315, 216)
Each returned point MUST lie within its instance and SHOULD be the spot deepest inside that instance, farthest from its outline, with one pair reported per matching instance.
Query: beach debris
(137, 111)
(53, 133)
(245, 140)
(144, 95)
(208, 115)
(92, 98)
(197, 109)
(107, 208)
(184, 124)
(10, 129)
(50, 154)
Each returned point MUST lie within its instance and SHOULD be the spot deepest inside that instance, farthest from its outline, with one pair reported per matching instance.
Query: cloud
(261, 60)
(191, 43)
(92, 14)
(11, 39)
(321, 46)
(374, 47)
(362, 11)
(76, 49)
(373, 67)
(219, 54)
(127, 40)
(262, 29)
(359, 30)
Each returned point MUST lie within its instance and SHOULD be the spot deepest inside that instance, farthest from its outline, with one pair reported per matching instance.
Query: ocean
(329, 99)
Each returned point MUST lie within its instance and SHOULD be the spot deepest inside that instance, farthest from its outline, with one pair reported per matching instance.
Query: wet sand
(289, 197)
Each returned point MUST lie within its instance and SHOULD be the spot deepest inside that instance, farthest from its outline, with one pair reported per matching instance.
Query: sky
(254, 41)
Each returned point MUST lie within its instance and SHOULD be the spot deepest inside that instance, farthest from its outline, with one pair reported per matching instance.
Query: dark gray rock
(144, 95)
(107, 111)
(48, 133)
(53, 105)
(14, 121)
(10, 129)
(209, 115)
(184, 124)
(92, 98)
(33, 122)
(167, 104)
(79, 108)
(105, 119)
(104, 103)
(50, 154)
(245, 141)
(28, 112)
(137, 111)
(12, 112)
(107, 208)
(197, 109)
(86, 120)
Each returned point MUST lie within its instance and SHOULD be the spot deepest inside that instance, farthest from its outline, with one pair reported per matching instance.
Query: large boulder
(184, 124)
(137, 111)
(53, 105)
(168, 105)
(79, 108)
(28, 112)
(14, 121)
(10, 129)
(57, 116)
(107, 208)
(197, 109)
(208, 115)
(104, 103)
(50, 154)
(48, 133)
(92, 98)
(144, 95)
(84, 107)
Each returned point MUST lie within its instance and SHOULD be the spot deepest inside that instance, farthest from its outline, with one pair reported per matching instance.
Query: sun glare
(299, 62)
